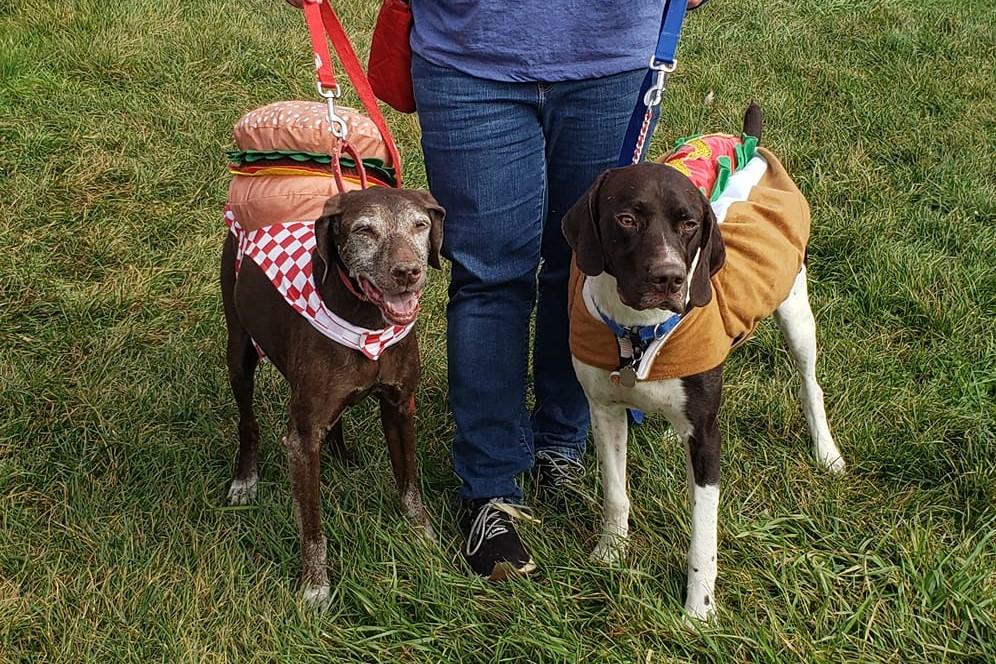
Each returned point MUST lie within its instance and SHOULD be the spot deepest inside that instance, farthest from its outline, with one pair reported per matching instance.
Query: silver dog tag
(627, 376)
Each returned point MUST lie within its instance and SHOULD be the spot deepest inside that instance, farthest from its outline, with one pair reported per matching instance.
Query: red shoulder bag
(390, 66)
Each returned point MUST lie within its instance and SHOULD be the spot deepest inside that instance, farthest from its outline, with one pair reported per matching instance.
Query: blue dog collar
(644, 333)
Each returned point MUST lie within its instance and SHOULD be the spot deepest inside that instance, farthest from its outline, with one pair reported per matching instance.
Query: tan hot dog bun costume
(764, 222)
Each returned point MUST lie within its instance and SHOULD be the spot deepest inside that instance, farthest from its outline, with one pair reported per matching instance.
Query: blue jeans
(507, 160)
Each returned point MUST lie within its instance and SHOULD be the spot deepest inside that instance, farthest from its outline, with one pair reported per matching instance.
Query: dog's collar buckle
(632, 343)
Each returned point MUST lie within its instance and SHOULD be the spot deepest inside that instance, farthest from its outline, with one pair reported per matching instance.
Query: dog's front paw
(833, 462)
(429, 533)
(316, 597)
(420, 521)
(701, 603)
(411, 503)
(827, 453)
(243, 492)
(611, 549)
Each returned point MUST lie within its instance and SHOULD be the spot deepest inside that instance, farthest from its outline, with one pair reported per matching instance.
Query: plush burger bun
(303, 126)
(298, 127)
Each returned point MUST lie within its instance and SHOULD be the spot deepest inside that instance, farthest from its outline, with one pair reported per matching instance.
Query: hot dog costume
(764, 222)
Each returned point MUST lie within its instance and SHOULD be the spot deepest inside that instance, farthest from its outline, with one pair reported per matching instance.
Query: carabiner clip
(655, 94)
(337, 125)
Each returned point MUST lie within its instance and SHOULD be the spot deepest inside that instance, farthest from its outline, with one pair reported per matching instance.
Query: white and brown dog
(667, 282)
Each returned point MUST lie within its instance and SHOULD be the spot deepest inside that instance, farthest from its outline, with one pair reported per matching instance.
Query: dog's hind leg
(242, 361)
(795, 318)
(610, 430)
(336, 444)
(397, 417)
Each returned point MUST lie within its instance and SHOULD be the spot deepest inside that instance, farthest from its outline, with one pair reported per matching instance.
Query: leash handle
(324, 26)
(347, 147)
(654, 83)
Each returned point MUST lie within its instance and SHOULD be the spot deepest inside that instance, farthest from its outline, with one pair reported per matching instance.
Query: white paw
(243, 492)
(701, 604)
(316, 597)
(611, 549)
(832, 461)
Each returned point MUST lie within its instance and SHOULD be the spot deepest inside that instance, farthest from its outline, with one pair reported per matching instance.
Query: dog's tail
(752, 121)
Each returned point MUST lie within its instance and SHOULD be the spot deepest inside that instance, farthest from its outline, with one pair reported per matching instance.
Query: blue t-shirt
(537, 40)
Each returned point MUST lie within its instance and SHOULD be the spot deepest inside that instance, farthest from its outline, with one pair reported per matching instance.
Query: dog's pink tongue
(402, 305)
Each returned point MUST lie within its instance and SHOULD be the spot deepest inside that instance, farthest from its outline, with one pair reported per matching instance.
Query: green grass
(117, 429)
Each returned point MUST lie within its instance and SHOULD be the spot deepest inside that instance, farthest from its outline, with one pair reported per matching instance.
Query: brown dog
(368, 267)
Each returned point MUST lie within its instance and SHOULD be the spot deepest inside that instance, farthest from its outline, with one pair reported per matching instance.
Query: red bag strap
(322, 21)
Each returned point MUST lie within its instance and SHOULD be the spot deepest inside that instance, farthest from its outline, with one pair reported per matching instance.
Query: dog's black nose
(668, 277)
(406, 274)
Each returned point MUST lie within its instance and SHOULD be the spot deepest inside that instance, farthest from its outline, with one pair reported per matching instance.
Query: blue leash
(654, 83)
(648, 105)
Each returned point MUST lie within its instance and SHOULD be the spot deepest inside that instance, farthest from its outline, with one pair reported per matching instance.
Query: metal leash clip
(655, 93)
(337, 125)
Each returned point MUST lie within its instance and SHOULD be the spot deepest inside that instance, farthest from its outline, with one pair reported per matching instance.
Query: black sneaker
(493, 548)
(556, 475)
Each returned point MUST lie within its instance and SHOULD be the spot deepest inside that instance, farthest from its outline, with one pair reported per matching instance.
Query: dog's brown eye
(368, 231)
(422, 224)
(626, 220)
(689, 225)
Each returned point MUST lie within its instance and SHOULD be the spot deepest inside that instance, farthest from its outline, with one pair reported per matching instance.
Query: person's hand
(692, 4)
(300, 3)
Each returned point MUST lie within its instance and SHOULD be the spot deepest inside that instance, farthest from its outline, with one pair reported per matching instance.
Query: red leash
(342, 145)
(324, 26)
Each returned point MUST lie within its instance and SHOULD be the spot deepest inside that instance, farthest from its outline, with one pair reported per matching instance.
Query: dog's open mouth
(397, 308)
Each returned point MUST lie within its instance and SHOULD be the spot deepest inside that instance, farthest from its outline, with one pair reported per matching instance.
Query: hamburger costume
(283, 176)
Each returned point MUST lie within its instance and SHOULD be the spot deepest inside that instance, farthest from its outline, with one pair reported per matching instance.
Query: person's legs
(584, 123)
(484, 155)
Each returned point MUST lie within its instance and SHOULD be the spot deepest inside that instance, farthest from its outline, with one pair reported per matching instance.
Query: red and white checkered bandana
(283, 251)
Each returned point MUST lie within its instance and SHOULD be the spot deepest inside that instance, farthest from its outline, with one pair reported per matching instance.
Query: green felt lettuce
(376, 167)
(743, 151)
(723, 171)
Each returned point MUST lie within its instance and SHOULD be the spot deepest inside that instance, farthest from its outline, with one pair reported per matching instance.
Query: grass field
(117, 429)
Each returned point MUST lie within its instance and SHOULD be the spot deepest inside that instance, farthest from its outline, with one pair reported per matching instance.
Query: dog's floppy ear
(436, 215)
(712, 255)
(325, 229)
(580, 228)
